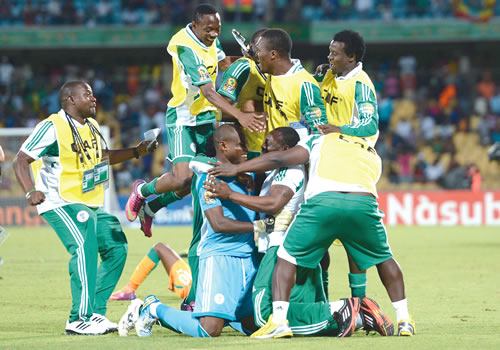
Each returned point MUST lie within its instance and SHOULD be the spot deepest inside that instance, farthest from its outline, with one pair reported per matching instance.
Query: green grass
(451, 275)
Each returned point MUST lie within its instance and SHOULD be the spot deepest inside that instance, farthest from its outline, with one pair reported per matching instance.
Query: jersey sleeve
(220, 52)
(292, 177)
(193, 66)
(41, 140)
(234, 78)
(309, 142)
(366, 104)
(205, 202)
(312, 106)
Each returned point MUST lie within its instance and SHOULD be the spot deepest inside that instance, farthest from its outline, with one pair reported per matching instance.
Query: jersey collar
(191, 34)
(296, 67)
(62, 115)
(353, 73)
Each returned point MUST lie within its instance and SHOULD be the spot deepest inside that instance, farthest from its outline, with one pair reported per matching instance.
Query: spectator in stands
(486, 86)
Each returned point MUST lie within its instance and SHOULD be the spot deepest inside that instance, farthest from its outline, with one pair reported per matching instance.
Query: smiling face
(84, 101)
(340, 62)
(234, 147)
(264, 56)
(207, 29)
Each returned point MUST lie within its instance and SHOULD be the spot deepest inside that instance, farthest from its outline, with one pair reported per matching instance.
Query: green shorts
(355, 220)
(185, 142)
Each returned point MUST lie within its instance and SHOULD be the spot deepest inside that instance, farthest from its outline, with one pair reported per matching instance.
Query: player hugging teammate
(297, 216)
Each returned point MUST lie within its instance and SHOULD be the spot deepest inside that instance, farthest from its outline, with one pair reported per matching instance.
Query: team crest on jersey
(203, 72)
(207, 196)
(82, 216)
(230, 85)
(366, 108)
(314, 112)
(219, 298)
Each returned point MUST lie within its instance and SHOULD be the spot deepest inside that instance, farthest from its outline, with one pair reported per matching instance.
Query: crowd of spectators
(433, 119)
(177, 12)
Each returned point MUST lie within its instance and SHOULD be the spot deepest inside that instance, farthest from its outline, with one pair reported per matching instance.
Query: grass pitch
(451, 277)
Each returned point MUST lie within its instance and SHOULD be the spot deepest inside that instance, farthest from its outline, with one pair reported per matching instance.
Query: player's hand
(252, 121)
(265, 225)
(217, 188)
(322, 69)
(36, 197)
(327, 129)
(282, 220)
(146, 147)
(247, 181)
(222, 169)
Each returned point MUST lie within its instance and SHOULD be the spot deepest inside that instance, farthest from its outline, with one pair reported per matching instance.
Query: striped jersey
(241, 82)
(194, 64)
(60, 173)
(351, 103)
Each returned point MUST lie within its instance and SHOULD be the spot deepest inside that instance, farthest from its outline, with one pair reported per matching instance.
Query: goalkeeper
(281, 194)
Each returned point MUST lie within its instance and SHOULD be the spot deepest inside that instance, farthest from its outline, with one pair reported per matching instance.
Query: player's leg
(325, 276)
(178, 271)
(142, 270)
(357, 280)
(369, 246)
(75, 225)
(113, 252)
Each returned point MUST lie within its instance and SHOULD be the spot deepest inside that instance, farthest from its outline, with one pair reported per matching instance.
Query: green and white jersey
(42, 146)
(194, 64)
(294, 178)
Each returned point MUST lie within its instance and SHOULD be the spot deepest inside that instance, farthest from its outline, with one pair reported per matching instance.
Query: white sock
(401, 308)
(336, 305)
(359, 321)
(280, 309)
(152, 309)
(139, 190)
(148, 210)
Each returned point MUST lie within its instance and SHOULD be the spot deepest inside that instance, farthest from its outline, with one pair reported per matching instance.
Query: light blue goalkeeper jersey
(213, 243)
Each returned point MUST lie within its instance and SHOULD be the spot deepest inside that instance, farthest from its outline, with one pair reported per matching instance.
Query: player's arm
(232, 81)
(278, 197)
(222, 224)
(199, 73)
(273, 160)
(366, 103)
(122, 155)
(227, 61)
(21, 166)
(312, 106)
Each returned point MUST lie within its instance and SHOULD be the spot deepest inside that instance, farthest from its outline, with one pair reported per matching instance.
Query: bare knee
(212, 325)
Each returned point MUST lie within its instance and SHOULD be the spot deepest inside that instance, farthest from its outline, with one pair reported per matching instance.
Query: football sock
(357, 282)
(401, 308)
(336, 305)
(280, 310)
(147, 264)
(148, 189)
(163, 200)
(180, 321)
(325, 277)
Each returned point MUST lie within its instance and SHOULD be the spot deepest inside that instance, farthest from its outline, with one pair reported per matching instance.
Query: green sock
(153, 256)
(149, 188)
(325, 276)
(162, 201)
(357, 282)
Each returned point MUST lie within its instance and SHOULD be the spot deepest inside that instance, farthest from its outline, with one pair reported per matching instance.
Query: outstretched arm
(293, 156)
(222, 224)
(278, 197)
(122, 155)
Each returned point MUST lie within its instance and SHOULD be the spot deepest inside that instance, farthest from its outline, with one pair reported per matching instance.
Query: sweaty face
(337, 58)
(208, 29)
(271, 143)
(85, 102)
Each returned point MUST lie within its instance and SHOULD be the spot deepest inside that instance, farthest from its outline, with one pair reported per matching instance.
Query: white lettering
(492, 209)
(395, 210)
(477, 213)
(426, 212)
(449, 215)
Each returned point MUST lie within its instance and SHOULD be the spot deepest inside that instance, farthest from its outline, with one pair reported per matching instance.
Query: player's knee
(212, 327)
